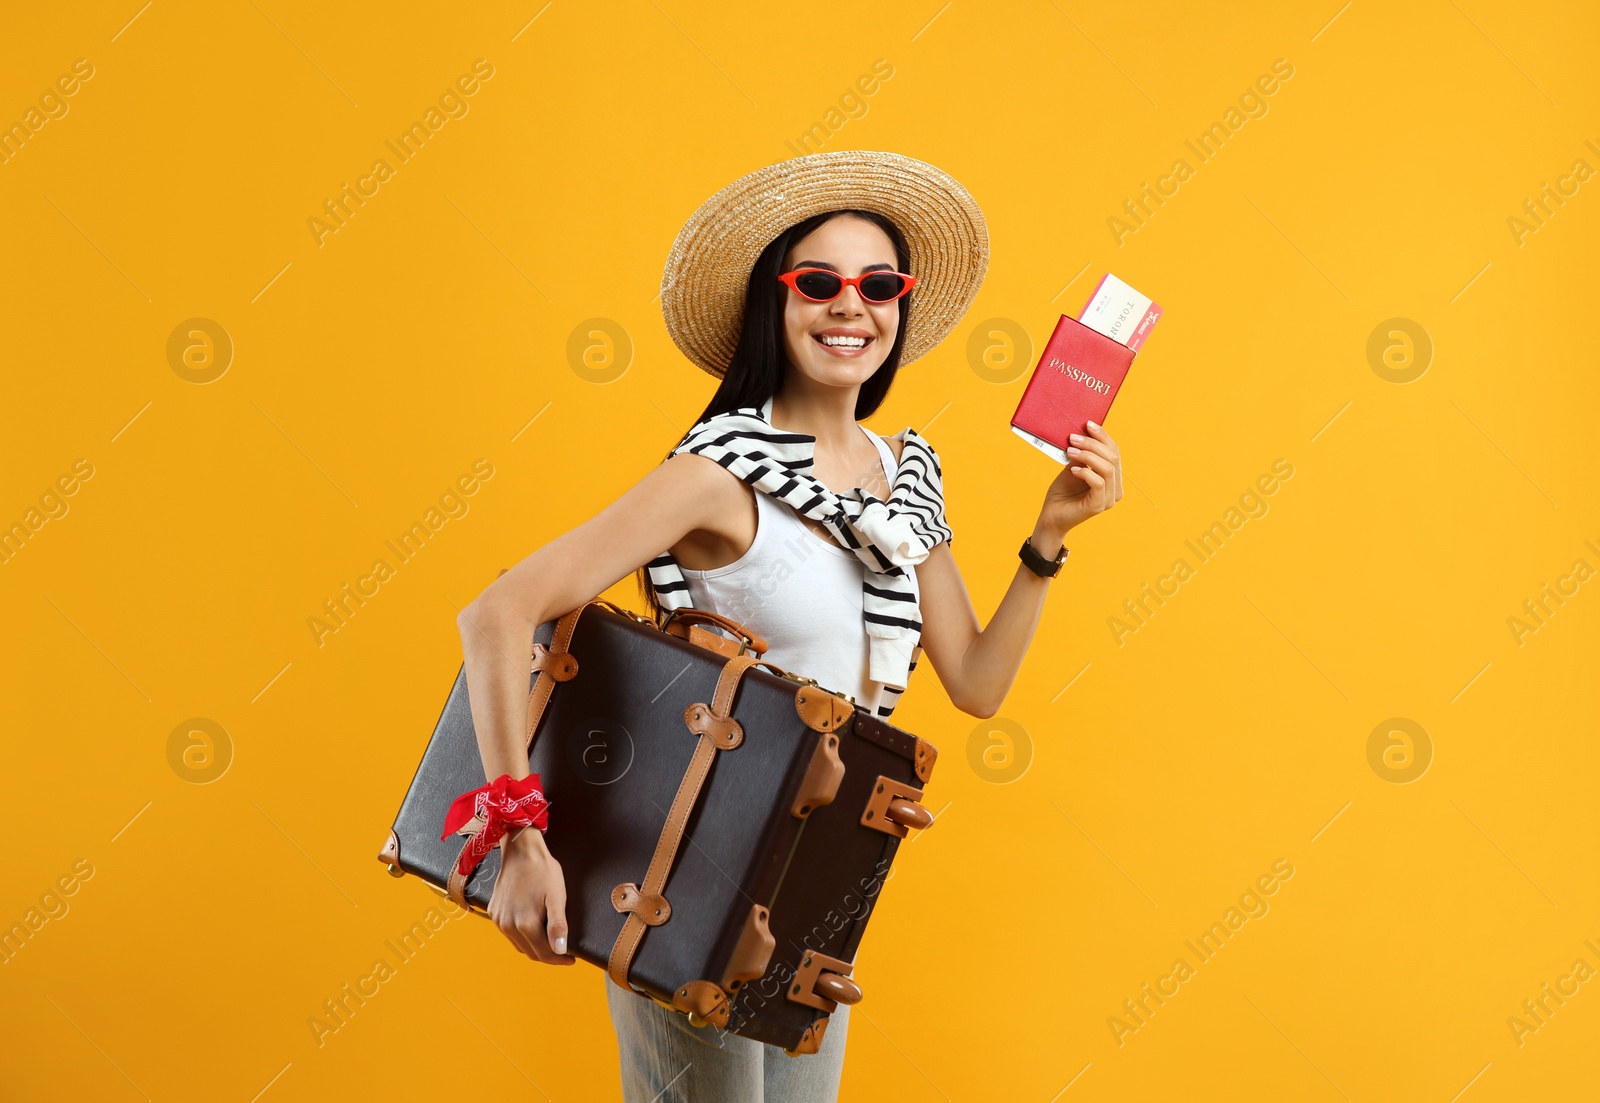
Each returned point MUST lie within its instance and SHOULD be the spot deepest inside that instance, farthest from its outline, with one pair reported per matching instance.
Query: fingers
(556, 926)
(1099, 447)
(544, 929)
(514, 934)
(1099, 433)
(533, 931)
(1094, 449)
(1086, 446)
(1089, 475)
(1092, 460)
(1098, 498)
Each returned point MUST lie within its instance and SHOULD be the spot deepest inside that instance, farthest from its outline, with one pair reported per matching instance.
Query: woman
(791, 285)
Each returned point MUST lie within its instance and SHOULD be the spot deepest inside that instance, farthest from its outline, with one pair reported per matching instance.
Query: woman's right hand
(529, 904)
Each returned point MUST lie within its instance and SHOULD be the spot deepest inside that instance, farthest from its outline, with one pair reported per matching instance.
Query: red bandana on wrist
(486, 814)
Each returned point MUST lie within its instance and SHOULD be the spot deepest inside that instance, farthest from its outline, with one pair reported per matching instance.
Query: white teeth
(845, 342)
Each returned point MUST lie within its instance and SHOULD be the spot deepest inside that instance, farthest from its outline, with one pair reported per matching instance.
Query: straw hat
(703, 287)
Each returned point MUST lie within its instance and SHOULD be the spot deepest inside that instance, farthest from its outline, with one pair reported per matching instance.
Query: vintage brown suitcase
(834, 879)
(680, 770)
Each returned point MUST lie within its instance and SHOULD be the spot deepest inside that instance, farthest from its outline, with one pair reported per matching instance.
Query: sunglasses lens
(880, 287)
(818, 285)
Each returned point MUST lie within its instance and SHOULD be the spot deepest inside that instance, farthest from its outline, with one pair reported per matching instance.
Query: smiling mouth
(843, 346)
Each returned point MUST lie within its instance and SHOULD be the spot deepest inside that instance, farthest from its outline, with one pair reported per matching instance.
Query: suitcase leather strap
(554, 664)
(718, 731)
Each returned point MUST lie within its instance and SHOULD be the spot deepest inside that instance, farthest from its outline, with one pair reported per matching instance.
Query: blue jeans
(665, 1060)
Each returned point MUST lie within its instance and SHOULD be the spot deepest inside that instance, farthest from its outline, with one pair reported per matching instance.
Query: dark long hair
(759, 363)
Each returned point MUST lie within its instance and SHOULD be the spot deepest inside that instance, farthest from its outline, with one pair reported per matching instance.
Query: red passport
(1083, 366)
(1076, 381)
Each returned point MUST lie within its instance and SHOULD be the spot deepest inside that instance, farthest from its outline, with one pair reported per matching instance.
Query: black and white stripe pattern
(887, 535)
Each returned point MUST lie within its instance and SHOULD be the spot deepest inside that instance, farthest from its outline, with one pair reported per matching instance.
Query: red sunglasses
(822, 286)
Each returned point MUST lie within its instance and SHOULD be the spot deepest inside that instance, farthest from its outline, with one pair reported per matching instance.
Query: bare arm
(684, 493)
(681, 495)
(977, 666)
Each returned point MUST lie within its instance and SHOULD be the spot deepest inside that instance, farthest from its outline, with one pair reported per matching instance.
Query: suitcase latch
(893, 807)
(823, 982)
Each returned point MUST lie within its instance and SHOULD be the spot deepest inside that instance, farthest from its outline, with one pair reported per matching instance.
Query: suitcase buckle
(803, 680)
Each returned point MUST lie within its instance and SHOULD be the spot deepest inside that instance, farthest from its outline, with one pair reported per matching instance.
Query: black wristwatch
(1038, 564)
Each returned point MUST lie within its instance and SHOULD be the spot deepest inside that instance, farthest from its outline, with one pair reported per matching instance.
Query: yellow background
(1227, 733)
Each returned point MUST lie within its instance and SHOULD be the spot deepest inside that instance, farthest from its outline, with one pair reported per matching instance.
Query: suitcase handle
(689, 616)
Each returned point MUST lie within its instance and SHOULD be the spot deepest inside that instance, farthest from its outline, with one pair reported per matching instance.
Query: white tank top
(802, 591)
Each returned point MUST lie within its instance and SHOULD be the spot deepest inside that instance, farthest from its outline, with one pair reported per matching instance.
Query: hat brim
(708, 268)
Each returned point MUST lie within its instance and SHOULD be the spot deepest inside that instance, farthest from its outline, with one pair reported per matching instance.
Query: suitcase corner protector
(390, 855)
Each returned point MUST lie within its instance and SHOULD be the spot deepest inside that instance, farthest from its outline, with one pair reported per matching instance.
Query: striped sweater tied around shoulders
(887, 536)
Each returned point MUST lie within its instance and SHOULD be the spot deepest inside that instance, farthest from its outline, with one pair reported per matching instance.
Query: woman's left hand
(1091, 483)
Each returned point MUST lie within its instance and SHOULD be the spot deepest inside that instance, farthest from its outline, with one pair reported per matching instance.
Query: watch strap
(1038, 564)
